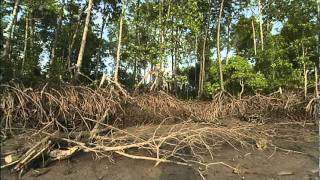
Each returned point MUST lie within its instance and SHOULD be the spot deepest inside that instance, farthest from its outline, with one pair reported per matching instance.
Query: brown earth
(297, 160)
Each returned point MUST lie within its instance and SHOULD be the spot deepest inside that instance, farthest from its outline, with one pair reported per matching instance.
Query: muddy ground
(301, 163)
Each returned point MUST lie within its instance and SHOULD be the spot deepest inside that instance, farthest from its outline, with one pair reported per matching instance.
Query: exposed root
(167, 130)
(182, 144)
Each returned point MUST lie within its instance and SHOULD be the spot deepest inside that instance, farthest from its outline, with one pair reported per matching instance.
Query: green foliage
(239, 70)
(284, 75)
(171, 33)
(58, 72)
(242, 40)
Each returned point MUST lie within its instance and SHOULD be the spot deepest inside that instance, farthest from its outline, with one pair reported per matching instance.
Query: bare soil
(296, 157)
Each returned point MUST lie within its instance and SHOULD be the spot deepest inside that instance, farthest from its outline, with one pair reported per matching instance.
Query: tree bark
(25, 43)
(218, 47)
(305, 73)
(316, 81)
(31, 32)
(228, 46)
(260, 24)
(195, 65)
(242, 88)
(202, 64)
(173, 49)
(10, 31)
(254, 38)
(70, 47)
(176, 60)
(318, 39)
(161, 29)
(116, 70)
(84, 39)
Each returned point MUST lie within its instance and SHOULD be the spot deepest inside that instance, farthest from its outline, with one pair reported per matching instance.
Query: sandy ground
(253, 164)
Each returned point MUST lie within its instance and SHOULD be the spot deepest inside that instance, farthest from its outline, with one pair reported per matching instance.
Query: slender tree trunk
(70, 57)
(176, 57)
(260, 24)
(10, 30)
(202, 64)
(138, 42)
(100, 43)
(228, 46)
(2, 42)
(305, 73)
(176, 60)
(116, 70)
(318, 39)
(70, 47)
(218, 47)
(84, 39)
(173, 49)
(195, 65)
(161, 29)
(31, 32)
(242, 89)
(316, 81)
(25, 43)
(254, 38)
(159, 78)
(56, 36)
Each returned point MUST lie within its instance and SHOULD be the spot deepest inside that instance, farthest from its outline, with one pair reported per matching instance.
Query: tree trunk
(318, 39)
(228, 46)
(254, 38)
(84, 39)
(195, 65)
(25, 43)
(56, 36)
(176, 60)
(202, 64)
(116, 70)
(305, 73)
(316, 81)
(218, 47)
(260, 24)
(161, 29)
(2, 42)
(138, 42)
(10, 30)
(173, 49)
(70, 47)
(31, 32)
(242, 89)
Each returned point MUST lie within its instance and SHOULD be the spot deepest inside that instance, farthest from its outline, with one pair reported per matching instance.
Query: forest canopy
(189, 48)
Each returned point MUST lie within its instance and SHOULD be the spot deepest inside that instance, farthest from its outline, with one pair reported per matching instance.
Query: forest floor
(294, 157)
